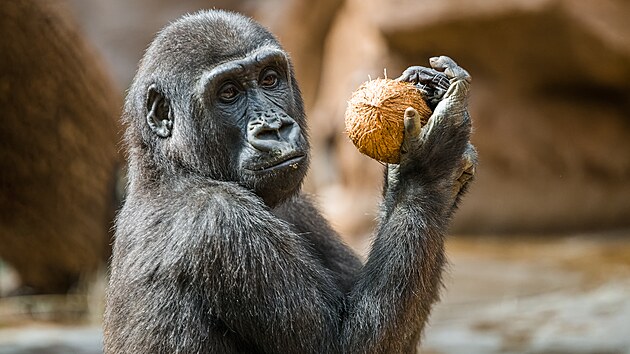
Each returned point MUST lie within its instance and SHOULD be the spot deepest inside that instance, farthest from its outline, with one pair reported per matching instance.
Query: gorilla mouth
(292, 161)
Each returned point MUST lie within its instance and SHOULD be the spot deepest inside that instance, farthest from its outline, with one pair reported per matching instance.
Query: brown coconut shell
(375, 117)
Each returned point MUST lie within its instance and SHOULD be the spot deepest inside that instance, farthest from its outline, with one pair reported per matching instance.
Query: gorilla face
(222, 112)
(254, 96)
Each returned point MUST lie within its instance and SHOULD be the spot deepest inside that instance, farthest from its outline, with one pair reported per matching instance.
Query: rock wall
(550, 103)
(550, 100)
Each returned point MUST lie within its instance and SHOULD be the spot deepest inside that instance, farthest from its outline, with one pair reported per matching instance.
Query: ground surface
(551, 295)
(568, 295)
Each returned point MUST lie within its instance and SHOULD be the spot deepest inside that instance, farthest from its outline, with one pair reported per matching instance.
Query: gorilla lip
(290, 160)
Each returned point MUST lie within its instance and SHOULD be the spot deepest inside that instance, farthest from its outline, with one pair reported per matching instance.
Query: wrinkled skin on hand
(446, 87)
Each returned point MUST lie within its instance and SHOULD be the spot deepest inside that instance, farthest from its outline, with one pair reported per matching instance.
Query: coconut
(375, 117)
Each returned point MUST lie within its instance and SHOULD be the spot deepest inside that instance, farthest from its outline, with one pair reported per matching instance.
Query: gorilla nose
(273, 131)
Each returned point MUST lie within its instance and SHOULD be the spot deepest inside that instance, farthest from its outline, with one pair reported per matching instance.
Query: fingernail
(410, 112)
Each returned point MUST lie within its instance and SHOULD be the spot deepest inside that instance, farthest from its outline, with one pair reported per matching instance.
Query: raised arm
(217, 278)
(391, 296)
(398, 285)
(304, 217)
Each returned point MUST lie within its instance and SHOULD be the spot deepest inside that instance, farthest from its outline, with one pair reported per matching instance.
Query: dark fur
(206, 260)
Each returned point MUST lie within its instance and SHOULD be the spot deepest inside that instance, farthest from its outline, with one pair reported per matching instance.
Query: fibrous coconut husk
(375, 117)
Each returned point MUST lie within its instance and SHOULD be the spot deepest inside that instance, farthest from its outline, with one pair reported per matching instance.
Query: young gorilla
(217, 251)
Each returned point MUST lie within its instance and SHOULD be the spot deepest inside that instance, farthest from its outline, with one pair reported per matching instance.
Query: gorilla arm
(392, 294)
(272, 289)
(230, 279)
(401, 280)
(390, 299)
(301, 213)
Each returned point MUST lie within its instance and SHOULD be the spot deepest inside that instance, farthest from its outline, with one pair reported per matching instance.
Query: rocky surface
(549, 102)
(48, 339)
(533, 295)
(537, 295)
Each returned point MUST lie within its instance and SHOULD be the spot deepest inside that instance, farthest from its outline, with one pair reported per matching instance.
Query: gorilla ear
(159, 113)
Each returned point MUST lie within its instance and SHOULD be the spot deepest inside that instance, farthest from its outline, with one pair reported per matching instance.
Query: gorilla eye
(269, 79)
(228, 93)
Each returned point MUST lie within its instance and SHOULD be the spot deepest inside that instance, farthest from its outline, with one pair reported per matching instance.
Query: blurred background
(539, 250)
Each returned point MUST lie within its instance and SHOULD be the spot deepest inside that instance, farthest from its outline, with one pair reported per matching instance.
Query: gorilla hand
(440, 153)
(431, 82)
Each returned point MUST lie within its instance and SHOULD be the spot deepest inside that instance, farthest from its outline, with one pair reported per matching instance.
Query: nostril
(273, 132)
(268, 135)
(264, 139)
(286, 128)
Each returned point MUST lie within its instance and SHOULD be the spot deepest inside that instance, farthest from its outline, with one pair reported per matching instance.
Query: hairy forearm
(334, 254)
(401, 279)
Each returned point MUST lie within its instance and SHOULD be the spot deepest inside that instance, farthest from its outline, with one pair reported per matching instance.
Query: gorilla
(217, 250)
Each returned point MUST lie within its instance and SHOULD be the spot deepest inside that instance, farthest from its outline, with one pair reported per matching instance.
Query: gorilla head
(216, 97)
